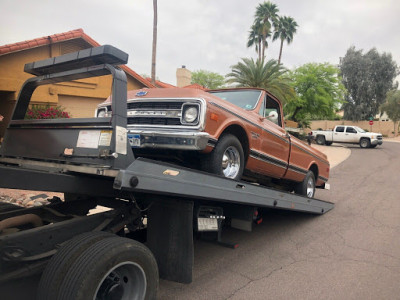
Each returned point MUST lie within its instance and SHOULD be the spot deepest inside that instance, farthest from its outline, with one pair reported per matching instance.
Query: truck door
(351, 135)
(338, 134)
(275, 142)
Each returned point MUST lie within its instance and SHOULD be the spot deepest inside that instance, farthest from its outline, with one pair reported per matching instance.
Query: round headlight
(190, 114)
(101, 113)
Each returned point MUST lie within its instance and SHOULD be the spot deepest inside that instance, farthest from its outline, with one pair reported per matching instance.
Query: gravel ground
(27, 198)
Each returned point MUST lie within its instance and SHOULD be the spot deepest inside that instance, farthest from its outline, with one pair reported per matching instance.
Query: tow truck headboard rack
(99, 141)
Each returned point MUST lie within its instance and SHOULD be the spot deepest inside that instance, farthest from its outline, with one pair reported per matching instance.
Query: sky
(208, 34)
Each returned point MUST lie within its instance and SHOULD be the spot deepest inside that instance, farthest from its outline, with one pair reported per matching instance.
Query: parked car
(237, 133)
(348, 134)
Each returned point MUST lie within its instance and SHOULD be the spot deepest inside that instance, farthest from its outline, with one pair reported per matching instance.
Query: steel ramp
(153, 177)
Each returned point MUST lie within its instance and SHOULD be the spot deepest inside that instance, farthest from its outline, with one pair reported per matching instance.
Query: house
(78, 97)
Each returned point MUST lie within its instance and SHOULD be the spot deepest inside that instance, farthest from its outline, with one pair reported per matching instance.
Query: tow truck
(154, 207)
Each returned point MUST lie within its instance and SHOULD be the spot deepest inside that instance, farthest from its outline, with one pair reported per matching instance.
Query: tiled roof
(161, 84)
(61, 37)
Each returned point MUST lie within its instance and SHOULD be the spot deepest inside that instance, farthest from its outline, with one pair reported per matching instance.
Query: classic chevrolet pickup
(237, 133)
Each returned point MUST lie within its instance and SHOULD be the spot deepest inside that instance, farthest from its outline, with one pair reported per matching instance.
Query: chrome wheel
(127, 280)
(231, 162)
(310, 187)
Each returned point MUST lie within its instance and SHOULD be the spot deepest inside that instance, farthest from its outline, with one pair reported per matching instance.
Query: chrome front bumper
(168, 139)
(376, 142)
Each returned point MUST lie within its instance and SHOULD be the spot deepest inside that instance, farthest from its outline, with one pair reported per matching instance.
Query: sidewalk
(336, 153)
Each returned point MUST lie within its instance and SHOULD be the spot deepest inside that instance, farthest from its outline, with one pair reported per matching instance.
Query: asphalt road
(352, 252)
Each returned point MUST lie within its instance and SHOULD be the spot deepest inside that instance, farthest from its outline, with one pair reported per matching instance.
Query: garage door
(79, 107)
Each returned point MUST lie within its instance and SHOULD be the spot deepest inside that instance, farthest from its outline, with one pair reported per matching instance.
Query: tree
(367, 77)
(270, 76)
(210, 80)
(284, 30)
(255, 39)
(319, 92)
(154, 48)
(392, 108)
(266, 15)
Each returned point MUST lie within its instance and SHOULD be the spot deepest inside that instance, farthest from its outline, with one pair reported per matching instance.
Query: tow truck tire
(365, 143)
(320, 140)
(374, 146)
(59, 264)
(111, 268)
(328, 143)
(227, 158)
(307, 186)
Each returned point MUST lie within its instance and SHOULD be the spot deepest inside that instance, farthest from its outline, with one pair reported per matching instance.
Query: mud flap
(170, 238)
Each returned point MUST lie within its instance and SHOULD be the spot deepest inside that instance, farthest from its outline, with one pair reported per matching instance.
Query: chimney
(183, 77)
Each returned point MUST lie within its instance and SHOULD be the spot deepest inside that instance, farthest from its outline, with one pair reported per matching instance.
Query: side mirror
(273, 116)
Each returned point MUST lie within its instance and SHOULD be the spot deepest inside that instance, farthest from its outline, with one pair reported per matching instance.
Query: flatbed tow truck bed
(151, 202)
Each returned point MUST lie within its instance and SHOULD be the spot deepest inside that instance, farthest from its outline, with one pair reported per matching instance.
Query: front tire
(328, 143)
(365, 143)
(307, 186)
(320, 140)
(227, 158)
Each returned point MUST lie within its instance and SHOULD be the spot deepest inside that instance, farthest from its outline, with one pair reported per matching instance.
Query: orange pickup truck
(237, 133)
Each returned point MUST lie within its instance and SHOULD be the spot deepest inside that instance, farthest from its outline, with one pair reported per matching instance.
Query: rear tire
(307, 186)
(60, 263)
(111, 268)
(227, 158)
(320, 140)
(365, 143)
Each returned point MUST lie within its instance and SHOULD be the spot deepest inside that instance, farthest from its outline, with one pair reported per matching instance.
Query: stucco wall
(12, 76)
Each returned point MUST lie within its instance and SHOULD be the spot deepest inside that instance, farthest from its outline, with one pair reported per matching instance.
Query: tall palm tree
(266, 15)
(267, 75)
(285, 28)
(153, 56)
(256, 39)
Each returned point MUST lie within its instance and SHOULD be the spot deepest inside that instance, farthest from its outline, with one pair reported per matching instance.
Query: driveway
(352, 252)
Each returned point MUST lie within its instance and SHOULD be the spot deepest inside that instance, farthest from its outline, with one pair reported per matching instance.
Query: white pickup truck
(347, 134)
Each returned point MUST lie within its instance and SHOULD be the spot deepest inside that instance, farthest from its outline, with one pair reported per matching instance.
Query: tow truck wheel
(365, 143)
(307, 186)
(227, 159)
(320, 140)
(59, 264)
(111, 268)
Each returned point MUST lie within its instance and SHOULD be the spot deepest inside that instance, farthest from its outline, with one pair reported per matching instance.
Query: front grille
(153, 121)
(154, 105)
(379, 137)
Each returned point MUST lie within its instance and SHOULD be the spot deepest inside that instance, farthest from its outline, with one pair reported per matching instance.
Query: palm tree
(270, 76)
(285, 28)
(266, 15)
(255, 39)
(153, 56)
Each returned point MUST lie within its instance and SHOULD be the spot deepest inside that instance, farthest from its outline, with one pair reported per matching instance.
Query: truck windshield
(246, 99)
(359, 129)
